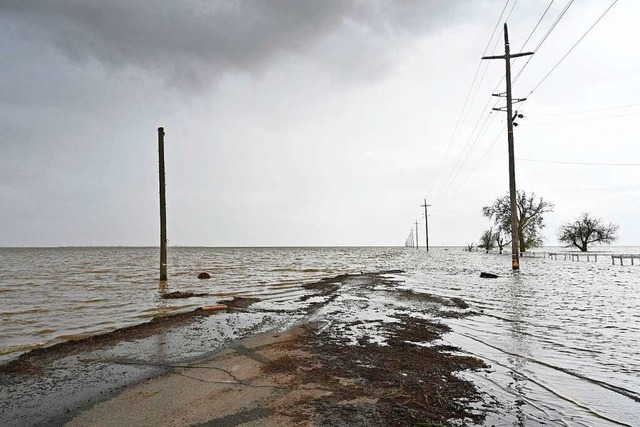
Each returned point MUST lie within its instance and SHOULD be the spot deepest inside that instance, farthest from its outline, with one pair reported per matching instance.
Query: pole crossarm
(513, 101)
(517, 55)
(512, 55)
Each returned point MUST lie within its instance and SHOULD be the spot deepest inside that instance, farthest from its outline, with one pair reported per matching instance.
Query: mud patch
(182, 294)
(239, 302)
(460, 303)
(400, 384)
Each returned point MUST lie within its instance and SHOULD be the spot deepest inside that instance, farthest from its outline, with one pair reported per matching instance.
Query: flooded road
(561, 337)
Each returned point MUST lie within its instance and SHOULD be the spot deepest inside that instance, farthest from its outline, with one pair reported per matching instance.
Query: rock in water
(181, 294)
(460, 303)
(488, 275)
(204, 276)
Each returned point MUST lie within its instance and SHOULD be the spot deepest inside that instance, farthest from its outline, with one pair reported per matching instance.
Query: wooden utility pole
(426, 222)
(417, 245)
(163, 208)
(515, 251)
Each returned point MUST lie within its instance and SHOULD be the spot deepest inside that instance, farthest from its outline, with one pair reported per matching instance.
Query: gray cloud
(314, 122)
(195, 41)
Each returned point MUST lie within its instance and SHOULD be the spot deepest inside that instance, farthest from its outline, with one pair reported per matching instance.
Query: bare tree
(530, 219)
(487, 240)
(586, 231)
(470, 247)
(501, 240)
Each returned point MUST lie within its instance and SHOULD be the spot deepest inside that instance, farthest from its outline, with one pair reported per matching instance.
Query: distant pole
(515, 252)
(426, 222)
(163, 208)
(417, 245)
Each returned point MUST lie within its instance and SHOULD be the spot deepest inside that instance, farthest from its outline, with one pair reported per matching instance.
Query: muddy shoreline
(34, 361)
(371, 348)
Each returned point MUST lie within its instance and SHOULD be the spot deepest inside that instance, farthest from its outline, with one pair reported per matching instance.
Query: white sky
(303, 123)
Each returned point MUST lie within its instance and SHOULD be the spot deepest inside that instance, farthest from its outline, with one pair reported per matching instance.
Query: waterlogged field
(561, 337)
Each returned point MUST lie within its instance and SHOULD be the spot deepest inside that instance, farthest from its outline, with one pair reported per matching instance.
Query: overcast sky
(294, 122)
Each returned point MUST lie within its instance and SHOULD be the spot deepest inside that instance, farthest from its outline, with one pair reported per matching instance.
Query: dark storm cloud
(194, 41)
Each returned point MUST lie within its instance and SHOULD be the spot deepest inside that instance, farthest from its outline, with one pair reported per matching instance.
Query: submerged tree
(501, 240)
(487, 240)
(586, 231)
(530, 219)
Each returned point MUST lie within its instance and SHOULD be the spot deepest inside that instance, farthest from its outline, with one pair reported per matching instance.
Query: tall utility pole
(417, 245)
(515, 252)
(426, 222)
(163, 208)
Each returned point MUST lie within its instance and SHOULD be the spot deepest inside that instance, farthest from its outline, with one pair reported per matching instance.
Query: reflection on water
(520, 345)
(561, 337)
(50, 294)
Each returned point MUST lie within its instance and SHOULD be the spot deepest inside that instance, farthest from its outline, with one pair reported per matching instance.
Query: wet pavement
(53, 387)
(68, 384)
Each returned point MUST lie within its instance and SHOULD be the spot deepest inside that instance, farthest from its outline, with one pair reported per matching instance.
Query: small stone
(204, 276)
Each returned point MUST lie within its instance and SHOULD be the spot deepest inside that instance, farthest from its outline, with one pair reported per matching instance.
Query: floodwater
(561, 337)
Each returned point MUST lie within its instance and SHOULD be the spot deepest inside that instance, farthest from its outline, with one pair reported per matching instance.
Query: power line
(447, 182)
(555, 23)
(466, 101)
(493, 33)
(511, 11)
(537, 24)
(488, 150)
(544, 13)
(495, 47)
(591, 119)
(574, 46)
(525, 44)
(568, 113)
(473, 136)
(479, 136)
(457, 163)
(546, 36)
(576, 163)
